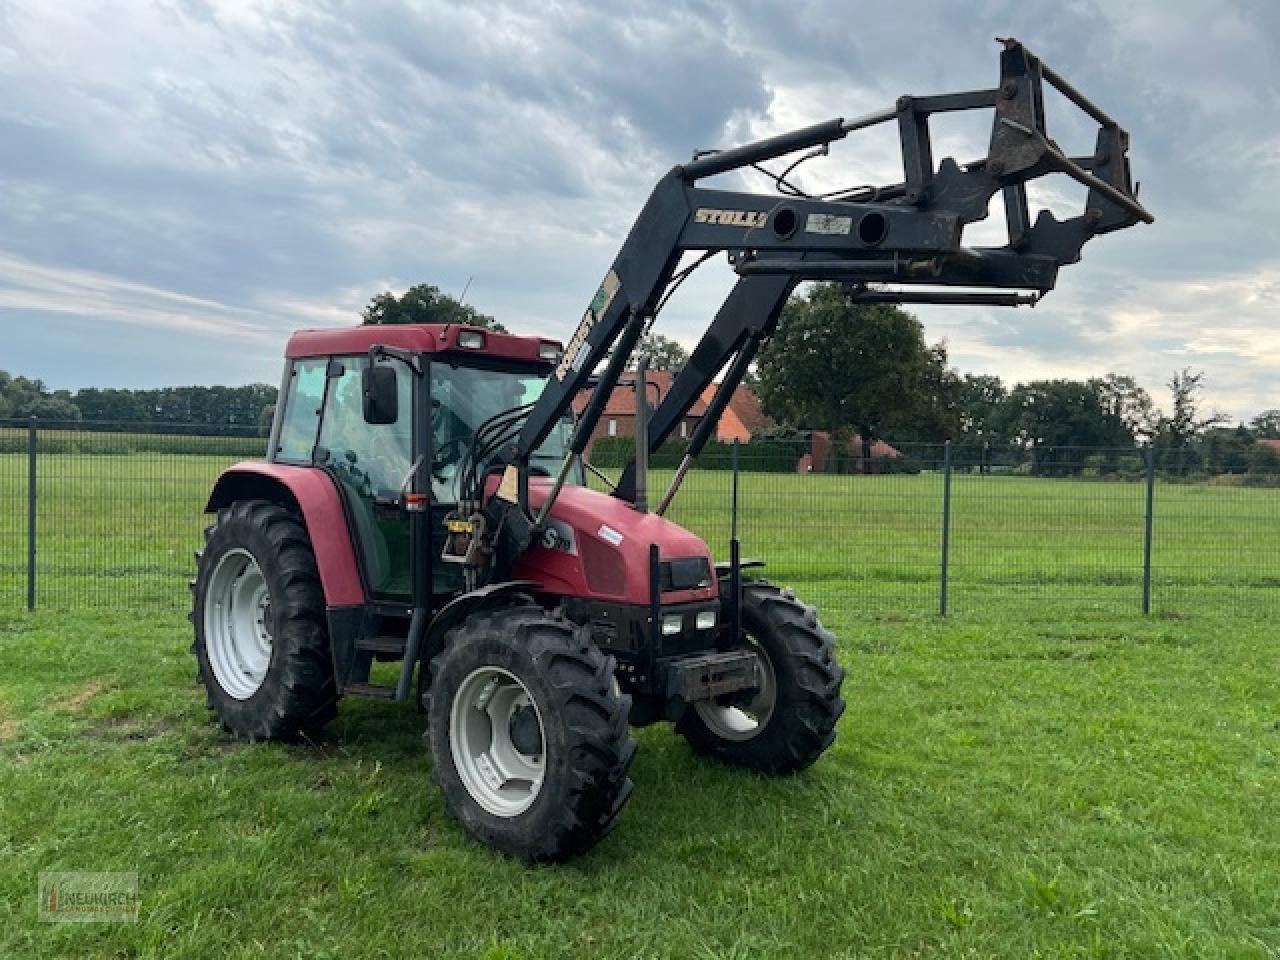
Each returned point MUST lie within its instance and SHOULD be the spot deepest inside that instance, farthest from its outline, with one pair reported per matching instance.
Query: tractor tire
(261, 639)
(528, 732)
(792, 720)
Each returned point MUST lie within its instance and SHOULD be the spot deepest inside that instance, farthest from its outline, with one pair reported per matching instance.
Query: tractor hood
(597, 546)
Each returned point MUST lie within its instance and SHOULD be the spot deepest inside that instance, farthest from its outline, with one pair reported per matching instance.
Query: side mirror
(381, 398)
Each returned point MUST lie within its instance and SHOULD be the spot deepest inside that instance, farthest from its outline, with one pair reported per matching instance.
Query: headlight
(705, 620)
(672, 625)
(471, 339)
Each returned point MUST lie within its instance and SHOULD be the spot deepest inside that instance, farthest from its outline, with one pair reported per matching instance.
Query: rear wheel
(528, 732)
(261, 642)
(791, 720)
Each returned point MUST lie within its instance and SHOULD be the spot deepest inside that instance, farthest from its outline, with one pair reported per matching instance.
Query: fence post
(1148, 531)
(946, 527)
(31, 513)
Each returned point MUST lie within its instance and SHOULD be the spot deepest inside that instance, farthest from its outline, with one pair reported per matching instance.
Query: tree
(1226, 449)
(21, 398)
(663, 354)
(1266, 425)
(1186, 423)
(934, 414)
(111, 405)
(838, 365)
(980, 397)
(1050, 417)
(424, 303)
(1130, 405)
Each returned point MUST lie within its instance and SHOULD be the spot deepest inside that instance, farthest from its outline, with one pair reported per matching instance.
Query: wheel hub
(731, 719)
(496, 739)
(238, 624)
(525, 732)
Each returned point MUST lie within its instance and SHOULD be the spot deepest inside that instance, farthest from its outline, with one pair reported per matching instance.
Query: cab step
(382, 644)
(375, 690)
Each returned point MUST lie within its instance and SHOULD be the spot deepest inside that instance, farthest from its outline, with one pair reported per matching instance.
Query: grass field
(1002, 786)
(1043, 774)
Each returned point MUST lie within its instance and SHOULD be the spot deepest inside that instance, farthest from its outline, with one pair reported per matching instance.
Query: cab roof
(416, 337)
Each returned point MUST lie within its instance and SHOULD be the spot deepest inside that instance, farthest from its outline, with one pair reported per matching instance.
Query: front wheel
(528, 733)
(791, 720)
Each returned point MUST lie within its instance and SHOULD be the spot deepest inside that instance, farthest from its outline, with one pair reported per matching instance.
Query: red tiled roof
(622, 402)
(1273, 444)
(747, 406)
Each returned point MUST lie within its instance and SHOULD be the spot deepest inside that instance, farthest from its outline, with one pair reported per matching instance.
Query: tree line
(835, 364)
(865, 371)
(249, 406)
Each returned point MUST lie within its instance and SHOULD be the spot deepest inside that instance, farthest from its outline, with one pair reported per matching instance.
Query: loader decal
(827, 224)
(731, 218)
(575, 354)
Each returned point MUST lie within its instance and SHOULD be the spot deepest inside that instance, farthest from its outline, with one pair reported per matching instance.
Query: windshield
(462, 398)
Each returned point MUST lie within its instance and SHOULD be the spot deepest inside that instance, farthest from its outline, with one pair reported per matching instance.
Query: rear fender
(312, 495)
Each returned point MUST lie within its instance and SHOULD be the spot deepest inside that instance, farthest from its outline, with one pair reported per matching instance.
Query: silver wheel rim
(743, 722)
(237, 624)
(504, 781)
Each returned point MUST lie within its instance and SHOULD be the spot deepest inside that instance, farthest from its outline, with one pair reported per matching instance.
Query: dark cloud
(251, 169)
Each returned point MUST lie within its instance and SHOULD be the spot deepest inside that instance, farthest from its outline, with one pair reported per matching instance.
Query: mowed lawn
(1042, 774)
(1002, 786)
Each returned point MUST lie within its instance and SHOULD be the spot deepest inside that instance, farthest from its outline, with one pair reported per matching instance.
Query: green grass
(1044, 774)
(1003, 785)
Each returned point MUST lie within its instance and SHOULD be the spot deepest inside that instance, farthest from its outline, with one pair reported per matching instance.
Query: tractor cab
(390, 412)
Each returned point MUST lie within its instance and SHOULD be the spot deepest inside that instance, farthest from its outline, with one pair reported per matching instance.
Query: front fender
(454, 611)
(313, 496)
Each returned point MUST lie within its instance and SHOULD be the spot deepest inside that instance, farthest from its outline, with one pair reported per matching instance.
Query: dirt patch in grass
(129, 728)
(8, 729)
(82, 696)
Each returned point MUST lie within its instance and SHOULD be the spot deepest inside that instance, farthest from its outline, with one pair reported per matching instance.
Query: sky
(185, 182)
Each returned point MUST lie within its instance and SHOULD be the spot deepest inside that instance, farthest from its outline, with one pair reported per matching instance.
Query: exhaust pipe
(641, 501)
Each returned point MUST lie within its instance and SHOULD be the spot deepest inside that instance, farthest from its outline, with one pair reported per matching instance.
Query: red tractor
(423, 499)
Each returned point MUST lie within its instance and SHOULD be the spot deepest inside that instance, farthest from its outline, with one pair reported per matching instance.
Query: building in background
(742, 418)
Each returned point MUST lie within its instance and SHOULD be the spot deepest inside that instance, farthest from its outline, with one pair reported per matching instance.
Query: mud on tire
(297, 693)
(801, 722)
(585, 740)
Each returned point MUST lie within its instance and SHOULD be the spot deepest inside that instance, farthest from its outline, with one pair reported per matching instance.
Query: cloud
(214, 170)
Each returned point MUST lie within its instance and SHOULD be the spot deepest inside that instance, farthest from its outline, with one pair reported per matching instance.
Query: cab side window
(301, 412)
(372, 458)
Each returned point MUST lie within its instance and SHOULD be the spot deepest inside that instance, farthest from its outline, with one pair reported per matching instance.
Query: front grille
(603, 566)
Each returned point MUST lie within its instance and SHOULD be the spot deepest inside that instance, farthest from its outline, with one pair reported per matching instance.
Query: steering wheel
(447, 453)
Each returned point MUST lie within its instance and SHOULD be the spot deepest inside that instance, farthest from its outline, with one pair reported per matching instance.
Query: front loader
(423, 501)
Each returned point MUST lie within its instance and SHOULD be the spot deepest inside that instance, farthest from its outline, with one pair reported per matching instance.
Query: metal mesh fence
(1216, 535)
(119, 512)
(1065, 528)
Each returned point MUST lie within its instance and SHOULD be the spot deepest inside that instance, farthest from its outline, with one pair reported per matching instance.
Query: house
(1273, 444)
(742, 417)
(619, 417)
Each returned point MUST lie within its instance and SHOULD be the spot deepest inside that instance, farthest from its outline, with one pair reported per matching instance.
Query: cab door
(370, 463)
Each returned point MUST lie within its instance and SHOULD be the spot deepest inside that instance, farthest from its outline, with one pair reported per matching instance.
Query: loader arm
(899, 243)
